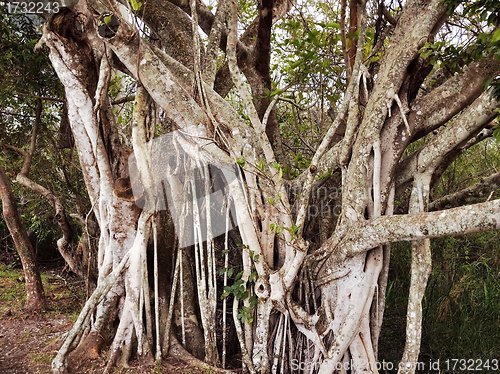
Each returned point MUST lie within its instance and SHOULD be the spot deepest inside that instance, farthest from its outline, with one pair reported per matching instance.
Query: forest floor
(29, 341)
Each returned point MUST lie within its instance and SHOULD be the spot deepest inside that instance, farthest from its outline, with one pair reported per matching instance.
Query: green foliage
(22, 70)
(278, 167)
(12, 287)
(245, 315)
(247, 11)
(496, 130)
(308, 59)
(275, 228)
(25, 76)
(460, 304)
(474, 164)
(441, 51)
(135, 5)
(254, 258)
(484, 10)
(241, 161)
(312, 49)
(485, 13)
(461, 300)
(107, 19)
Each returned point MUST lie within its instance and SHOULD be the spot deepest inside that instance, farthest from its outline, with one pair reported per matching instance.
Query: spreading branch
(463, 127)
(468, 195)
(388, 229)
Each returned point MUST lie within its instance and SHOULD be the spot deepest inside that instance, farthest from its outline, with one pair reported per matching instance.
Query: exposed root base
(90, 347)
(178, 351)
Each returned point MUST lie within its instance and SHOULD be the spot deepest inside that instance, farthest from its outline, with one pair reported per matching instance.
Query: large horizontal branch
(431, 111)
(21, 151)
(401, 195)
(467, 195)
(388, 229)
(465, 125)
(440, 105)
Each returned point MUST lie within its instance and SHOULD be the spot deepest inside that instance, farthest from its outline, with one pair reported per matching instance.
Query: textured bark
(429, 112)
(480, 190)
(259, 75)
(408, 227)
(353, 26)
(421, 265)
(195, 341)
(35, 297)
(466, 125)
(323, 295)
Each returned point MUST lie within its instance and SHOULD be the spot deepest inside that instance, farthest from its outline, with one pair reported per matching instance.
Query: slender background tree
(336, 126)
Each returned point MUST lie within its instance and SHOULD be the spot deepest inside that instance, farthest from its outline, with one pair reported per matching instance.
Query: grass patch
(43, 357)
(65, 296)
(12, 287)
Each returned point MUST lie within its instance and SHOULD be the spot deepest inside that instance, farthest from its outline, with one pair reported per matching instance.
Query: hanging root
(172, 300)
(224, 302)
(403, 115)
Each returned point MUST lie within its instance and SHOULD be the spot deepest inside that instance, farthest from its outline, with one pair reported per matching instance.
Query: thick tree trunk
(35, 297)
(325, 299)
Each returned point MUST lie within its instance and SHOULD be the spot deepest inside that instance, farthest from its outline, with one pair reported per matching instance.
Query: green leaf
(496, 36)
(335, 25)
(253, 276)
(241, 161)
(276, 92)
(135, 5)
(496, 133)
(241, 295)
(230, 272)
(261, 164)
(107, 19)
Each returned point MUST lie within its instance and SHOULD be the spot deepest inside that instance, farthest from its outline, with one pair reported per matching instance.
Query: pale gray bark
(349, 269)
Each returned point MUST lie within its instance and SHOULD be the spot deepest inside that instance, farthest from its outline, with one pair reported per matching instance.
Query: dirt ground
(29, 341)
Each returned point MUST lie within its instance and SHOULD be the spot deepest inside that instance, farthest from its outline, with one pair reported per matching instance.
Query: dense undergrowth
(461, 305)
